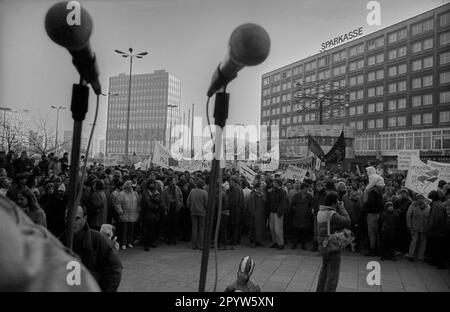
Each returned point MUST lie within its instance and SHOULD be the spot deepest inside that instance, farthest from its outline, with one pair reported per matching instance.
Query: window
(298, 70)
(427, 118)
(324, 61)
(310, 66)
(340, 70)
(416, 119)
(339, 56)
(379, 106)
(422, 27)
(392, 71)
(444, 77)
(286, 74)
(417, 65)
(379, 123)
(398, 35)
(444, 19)
(371, 124)
(324, 74)
(352, 111)
(392, 121)
(401, 121)
(354, 51)
(371, 108)
(360, 125)
(428, 62)
(444, 58)
(375, 59)
(266, 81)
(427, 81)
(392, 87)
(401, 103)
(359, 109)
(375, 43)
(444, 116)
(444, 97)
(356, 80)
(444, 38)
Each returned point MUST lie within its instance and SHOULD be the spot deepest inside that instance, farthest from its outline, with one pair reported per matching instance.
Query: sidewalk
(177, 269)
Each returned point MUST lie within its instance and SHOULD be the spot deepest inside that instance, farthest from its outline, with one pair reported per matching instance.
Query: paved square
(177, 269)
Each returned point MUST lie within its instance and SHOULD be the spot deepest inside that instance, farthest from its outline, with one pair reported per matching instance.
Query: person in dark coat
(97, 253)
(23, 164)
(353, 204)
(98, 214)
(436, 230)
(151, 207)
(403, 236)
(54, 206)
(236, 207)
(373, 207)
(43, 164)
(277, 206)
(389, 223)
(256, 210)
(302, 206)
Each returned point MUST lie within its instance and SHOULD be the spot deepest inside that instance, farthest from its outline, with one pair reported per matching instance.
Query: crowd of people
(159, 205)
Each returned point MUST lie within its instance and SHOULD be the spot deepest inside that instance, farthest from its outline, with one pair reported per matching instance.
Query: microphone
(249, 45)
(69, 25)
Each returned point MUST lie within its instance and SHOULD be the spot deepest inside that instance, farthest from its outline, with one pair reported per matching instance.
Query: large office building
(154, 109)
(392, 86)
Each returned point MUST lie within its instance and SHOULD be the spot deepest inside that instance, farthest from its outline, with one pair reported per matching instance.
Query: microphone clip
(219, 80)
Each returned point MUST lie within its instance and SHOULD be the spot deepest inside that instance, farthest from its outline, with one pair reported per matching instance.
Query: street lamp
(57, 125)
(171, 122)
(130, 55)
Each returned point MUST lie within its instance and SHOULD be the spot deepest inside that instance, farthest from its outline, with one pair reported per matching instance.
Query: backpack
(337, 241)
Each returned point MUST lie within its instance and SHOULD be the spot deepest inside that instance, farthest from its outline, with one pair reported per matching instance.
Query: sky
(188, 38)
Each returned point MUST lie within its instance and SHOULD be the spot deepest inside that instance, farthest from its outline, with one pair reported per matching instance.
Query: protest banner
(271, 160)
(247, 172)
(404, 157)
(307, 163)
(444, 170)
(421, 178)
(295, 173)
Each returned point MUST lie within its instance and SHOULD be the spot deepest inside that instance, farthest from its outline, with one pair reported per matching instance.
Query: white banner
(444, 169)
(247, 172)
(273, 157)
(421, 178)
(161, 156)
(404, 157)
(295, 173)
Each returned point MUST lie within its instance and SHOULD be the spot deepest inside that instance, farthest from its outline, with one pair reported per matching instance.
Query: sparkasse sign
(342, 38)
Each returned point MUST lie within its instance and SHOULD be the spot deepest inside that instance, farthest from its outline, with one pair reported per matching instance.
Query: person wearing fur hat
(416, 220)
(389, 223)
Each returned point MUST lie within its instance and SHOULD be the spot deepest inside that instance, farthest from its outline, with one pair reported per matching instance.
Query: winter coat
(353, 204)
(437, 220)
(98, 255)
(99, 212)
(197, 202)
(235, 204)
(151, 205)
(389, 222)
(374, 203)
(172, 201)
(277, 202)
(54, 206)
(301, 206)
(128, 205)
(417, 216)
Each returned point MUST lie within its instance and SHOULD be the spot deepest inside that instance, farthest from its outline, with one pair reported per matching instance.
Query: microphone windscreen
(69, 26)
(249, 44)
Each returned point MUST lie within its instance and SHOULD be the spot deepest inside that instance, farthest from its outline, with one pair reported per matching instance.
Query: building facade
(154, 109)
(395, 87)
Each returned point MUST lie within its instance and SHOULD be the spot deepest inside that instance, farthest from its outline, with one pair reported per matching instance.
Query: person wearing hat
(54, 205)
(277, 204)
(98, 214)
(197, 203)
(243, 282)
(416, 220)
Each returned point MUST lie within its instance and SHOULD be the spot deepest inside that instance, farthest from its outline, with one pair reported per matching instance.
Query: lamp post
(57, 125)
(171, 122)
(130, 55)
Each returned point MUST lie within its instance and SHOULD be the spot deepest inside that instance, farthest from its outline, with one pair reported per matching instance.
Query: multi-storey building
(154, 108)
(397, 86)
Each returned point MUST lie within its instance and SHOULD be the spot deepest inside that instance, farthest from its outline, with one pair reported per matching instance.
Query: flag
(337, 152)
(314, 147)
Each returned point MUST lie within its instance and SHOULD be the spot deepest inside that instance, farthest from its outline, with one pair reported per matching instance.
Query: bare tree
(13, 135)
(42, 141)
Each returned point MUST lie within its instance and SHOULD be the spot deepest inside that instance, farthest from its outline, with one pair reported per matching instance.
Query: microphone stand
(79, 108)
(220, 118)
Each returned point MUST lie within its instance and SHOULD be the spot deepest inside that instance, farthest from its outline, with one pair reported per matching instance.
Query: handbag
(337, 241)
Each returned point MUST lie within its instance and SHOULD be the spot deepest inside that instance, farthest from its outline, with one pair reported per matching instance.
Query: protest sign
(247, 172)
(271, 160)
(404, 158)
(295, 173)
(444, 170)
(421, 178)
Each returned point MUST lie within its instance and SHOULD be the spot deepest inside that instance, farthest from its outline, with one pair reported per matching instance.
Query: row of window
(418, 46)
(423, 140)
